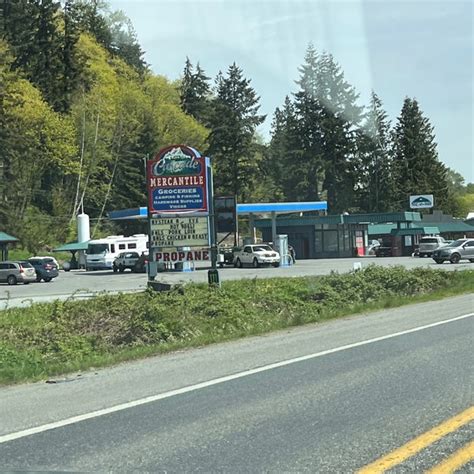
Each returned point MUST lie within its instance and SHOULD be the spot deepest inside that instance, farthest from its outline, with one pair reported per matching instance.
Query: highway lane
(332, 413)
(84, 284)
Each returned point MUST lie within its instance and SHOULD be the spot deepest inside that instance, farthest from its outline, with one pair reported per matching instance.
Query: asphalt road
(84, 284)
(338, 396)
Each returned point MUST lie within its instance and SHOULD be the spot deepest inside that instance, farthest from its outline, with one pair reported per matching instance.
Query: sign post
(180, 209)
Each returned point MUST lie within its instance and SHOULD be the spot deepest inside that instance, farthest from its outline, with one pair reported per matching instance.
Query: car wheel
(255, 263)
(11, 280)
(455, 258)
(115, 269)
(38, 279)
(276, 265)
(438, 260)
(121, 268)
(47, 280)
(26, 282)
(471, 260)
(238, 263)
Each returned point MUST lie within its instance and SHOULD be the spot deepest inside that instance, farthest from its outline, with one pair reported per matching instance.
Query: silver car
(13, 272)
(462, 249)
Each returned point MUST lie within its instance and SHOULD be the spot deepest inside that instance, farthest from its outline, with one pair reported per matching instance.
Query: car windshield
(95, 249)
(456, 243)
(263, 248)
(26, 265)
(429, 240)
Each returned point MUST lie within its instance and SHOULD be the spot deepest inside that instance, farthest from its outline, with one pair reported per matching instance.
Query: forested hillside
(81, 111)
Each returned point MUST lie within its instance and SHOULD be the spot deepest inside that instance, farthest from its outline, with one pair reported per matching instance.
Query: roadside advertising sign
(181, 221)
(179, 231)
(421, 201)
(177, 181)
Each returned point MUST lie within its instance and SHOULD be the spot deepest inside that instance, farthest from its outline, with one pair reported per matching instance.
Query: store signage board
(421, 201)
(180, 231)
(177, 181)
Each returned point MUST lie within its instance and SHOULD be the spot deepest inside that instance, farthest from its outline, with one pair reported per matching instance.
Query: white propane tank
(83, 228)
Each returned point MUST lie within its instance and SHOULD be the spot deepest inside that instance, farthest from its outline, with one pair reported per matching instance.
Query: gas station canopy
(242, 209)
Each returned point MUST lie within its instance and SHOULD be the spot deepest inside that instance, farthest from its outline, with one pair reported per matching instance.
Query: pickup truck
(429, 244)
(256, 255)
(125, 260)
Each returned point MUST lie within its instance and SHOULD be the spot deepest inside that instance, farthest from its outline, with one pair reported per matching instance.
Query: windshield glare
(94, 249)
(456, 243)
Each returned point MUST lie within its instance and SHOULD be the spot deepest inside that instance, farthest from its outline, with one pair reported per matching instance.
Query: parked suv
(428, 244)
(125, 260)
(462, 249)
(13, 272)
(45, 267)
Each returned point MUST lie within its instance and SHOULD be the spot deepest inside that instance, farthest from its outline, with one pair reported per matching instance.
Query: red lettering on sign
(197, 255)
(159, 256)
(166, 257)
(174, 256)
(205, 255)
(189, 256)
(181, 255)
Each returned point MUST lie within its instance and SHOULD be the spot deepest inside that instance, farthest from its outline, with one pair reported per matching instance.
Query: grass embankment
(60, 337)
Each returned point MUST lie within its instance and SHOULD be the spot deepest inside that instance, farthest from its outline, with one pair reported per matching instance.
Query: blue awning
(281, 207)
(135, 213)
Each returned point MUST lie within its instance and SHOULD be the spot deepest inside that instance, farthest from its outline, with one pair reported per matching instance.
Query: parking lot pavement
(82, 284)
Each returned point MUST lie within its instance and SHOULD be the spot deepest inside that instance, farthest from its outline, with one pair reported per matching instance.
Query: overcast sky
(421, 49)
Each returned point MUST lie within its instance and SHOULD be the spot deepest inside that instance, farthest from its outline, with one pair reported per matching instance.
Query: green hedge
(47, 339)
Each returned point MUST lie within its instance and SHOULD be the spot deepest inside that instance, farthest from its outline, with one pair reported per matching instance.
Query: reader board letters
(177, 181)
(183, 256)
(179, 232)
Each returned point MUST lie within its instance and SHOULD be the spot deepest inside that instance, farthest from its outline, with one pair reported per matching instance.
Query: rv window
(121, 246)
(132, 246)
(112, 248)
(94, 249)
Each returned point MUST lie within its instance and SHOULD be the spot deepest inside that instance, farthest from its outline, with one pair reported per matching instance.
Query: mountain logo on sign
(420, 201)
(175, 163)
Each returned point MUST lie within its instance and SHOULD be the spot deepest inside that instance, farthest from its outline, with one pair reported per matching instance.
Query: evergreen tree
(73, 64)
(91, 19)
(124, 42)
(285, 152)
(339, 123)
(328, 118)
(233, 124)
(374, 175)
(195, 92)
(416, 165)
(307, 170)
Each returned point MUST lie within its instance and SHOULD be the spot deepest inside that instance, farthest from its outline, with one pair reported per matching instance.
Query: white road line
(210, 383)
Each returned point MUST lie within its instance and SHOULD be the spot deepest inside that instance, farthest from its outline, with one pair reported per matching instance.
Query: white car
(256, 255)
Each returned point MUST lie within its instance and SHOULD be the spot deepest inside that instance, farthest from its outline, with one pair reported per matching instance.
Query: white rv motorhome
(101, 253)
